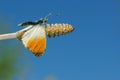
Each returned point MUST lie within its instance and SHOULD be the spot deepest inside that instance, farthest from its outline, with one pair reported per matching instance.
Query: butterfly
(34, 36)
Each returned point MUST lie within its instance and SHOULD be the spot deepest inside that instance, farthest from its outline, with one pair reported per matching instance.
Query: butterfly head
(44, 20)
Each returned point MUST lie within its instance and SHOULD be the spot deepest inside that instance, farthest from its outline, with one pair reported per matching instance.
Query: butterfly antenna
(50, 14)
(44, 20)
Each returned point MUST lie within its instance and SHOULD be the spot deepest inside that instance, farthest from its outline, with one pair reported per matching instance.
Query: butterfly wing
(35, 39)
(27, 23)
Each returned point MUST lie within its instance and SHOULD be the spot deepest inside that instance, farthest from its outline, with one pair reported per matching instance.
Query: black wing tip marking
(27, 23)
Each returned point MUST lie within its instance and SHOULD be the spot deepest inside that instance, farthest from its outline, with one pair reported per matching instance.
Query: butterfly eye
(41, 21)
(45, 20)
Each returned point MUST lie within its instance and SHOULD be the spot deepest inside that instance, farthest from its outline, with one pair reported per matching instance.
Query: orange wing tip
(53, 30)
(37, 46)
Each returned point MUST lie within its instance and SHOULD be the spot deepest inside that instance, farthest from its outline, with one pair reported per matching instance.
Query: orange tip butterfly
(34, 36)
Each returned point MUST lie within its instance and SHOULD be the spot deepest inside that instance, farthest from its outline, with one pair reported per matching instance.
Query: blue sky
(90, 52)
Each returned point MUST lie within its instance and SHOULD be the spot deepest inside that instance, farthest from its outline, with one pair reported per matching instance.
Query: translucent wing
(35, 39)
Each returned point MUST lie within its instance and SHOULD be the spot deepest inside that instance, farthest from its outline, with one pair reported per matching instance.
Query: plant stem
(8, 36)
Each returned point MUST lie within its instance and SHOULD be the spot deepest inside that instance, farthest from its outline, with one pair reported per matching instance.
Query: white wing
(35, 39)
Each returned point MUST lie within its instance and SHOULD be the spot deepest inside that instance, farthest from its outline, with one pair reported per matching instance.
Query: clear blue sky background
(91, 52)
